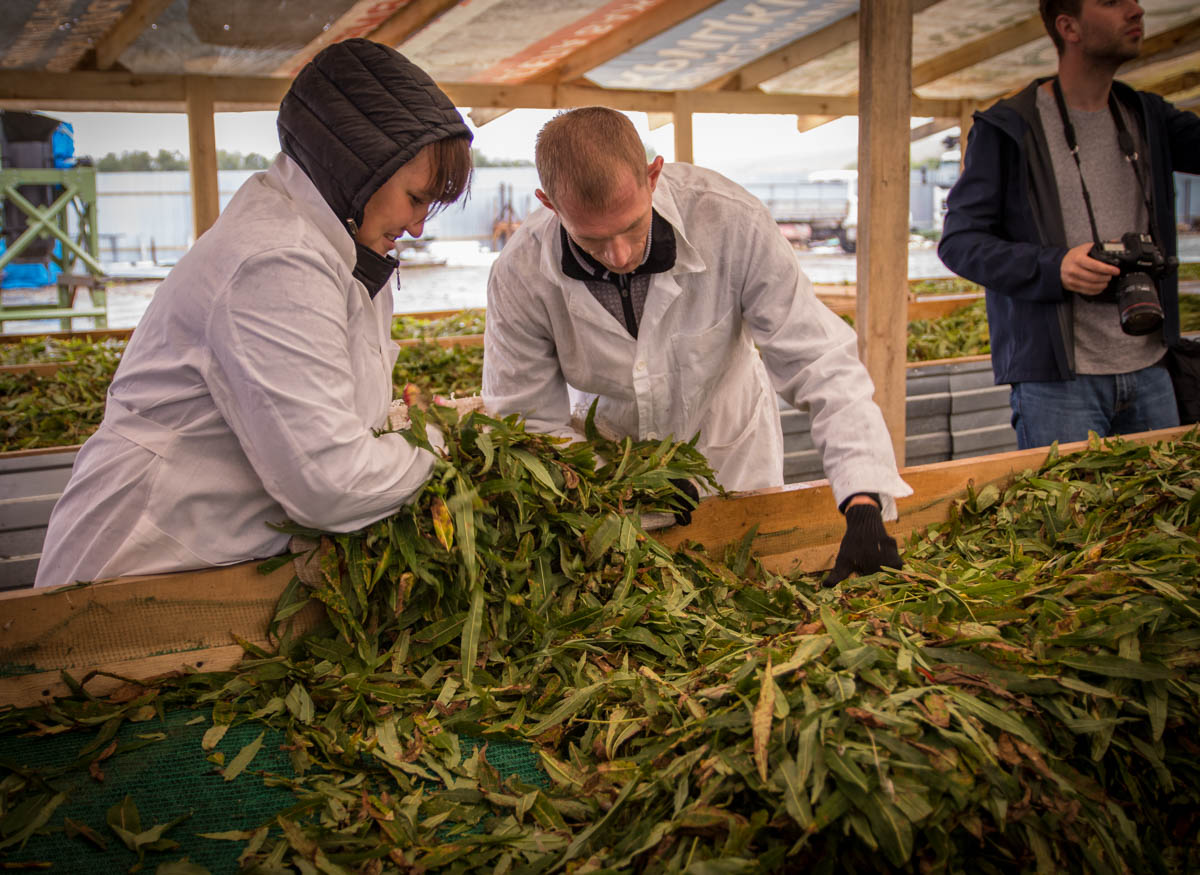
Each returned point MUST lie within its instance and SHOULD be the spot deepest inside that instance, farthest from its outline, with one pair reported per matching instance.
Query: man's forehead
(608, 221)
(627, 203)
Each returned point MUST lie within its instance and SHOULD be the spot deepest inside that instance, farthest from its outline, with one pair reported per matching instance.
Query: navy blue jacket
(1004, 226)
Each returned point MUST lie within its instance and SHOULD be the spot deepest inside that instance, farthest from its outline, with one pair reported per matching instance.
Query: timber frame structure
(70, 221)
(886, 61)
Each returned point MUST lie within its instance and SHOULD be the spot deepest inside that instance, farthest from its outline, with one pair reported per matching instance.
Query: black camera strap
(1128, 149)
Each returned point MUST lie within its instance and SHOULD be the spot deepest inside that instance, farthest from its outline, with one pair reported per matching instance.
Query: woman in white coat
(251, 390)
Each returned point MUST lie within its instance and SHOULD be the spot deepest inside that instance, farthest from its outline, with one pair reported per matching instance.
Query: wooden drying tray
(138, 627)
(125, 333)
(926, 307)
(467, 340)
(42, 369)
(46, 369)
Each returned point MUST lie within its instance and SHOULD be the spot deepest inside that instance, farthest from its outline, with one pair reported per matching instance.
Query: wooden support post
(683, 129)
(966, 118)
(885, 97)
(202, 138)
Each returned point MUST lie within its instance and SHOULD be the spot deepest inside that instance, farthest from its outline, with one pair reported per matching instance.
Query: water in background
(462, 281)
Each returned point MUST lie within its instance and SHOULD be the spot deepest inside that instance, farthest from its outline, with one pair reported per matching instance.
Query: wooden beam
(202, 162)
(934, 126)
(480, 115)
(988, 46)
(409, 20)
(137, 17)
(966, 118)
(623, 38)
(884, 70)
(683, 129)
(1175, 88)
(120, 91)
(1148, 77)
(656, 120)
(359, 20)
(131, 92)
(805, 123)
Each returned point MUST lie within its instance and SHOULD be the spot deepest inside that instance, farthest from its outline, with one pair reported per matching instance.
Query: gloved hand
(686, 502)
(866, 546)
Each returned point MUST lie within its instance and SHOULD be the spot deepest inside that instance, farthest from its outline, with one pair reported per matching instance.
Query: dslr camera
(1135, 288)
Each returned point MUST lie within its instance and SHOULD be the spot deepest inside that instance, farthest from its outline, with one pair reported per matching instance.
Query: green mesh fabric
(172, 777)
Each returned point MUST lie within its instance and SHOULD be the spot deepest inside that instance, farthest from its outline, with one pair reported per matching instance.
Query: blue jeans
(1107, 404)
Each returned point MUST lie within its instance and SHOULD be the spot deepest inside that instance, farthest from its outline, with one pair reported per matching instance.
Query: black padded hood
(355, 114)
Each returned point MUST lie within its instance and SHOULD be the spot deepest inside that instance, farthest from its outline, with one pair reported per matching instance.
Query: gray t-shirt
(1101, 347)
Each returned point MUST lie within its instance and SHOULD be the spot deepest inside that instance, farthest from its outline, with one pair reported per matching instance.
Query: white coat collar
(286, 176)
(687, 257)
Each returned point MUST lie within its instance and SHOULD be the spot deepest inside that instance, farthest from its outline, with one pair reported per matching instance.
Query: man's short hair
(581, 152)
(1050, 10)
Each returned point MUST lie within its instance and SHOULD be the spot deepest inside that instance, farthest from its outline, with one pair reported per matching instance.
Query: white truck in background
(824, 207)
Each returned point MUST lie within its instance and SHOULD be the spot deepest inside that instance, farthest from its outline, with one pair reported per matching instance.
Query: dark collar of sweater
(578, 265)
(372, 269)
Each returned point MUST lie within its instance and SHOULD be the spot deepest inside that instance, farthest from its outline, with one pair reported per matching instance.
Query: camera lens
(1137, 303)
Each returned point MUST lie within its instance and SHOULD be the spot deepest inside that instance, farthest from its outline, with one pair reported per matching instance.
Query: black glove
(866, 546)
(685, 502)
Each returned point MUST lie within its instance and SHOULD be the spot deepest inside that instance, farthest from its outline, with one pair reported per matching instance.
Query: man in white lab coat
(649, 288)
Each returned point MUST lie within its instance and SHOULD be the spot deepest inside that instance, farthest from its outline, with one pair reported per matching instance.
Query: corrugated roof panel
(52, 34)
(503, 40)
(937, 30)
(1016, 68)
(230, 37)
(718, 41)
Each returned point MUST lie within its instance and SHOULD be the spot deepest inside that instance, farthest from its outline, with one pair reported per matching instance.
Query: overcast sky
(734, 144)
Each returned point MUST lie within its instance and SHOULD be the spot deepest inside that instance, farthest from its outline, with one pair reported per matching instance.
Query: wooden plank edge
(88, 334)
(40, 451)
(449, 340)
(22, 691)
(41, 369)
(126, 333)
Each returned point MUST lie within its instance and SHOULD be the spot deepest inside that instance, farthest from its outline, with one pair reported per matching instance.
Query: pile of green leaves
(461, 323)
(961, 333)
(949, 285)
(965, 331)
(61, 409)
(40, 348)
(439, 370)
(1189, 312)
(1022, 696)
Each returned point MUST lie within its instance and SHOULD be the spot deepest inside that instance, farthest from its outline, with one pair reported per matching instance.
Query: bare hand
(1083, 274)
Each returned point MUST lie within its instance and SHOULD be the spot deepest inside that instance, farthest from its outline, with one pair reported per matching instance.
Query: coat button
(641, 366)
(651, 435)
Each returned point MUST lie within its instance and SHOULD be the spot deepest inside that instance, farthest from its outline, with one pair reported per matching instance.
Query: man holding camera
(1065, 214)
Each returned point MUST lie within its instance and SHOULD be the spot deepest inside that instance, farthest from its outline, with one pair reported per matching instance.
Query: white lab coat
(247, 396)
(550, 346)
